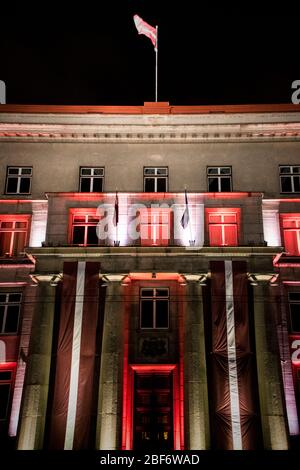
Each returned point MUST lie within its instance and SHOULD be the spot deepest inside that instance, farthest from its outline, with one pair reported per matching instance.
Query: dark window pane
(213, 185)
(161, 171)
(4, 397)
(86, 171)
(286, 184)
(295, 317)
(147, 314)
(12, 319)
(92, 238)
(225, 184)
(98, 171)
(161, 185)
(2, 308)
(147, 293)
(85, 185)
(225, 170)
(2, 297)
(14, 297)
(149, 185)
(294, 296)
(212, 171)
(78, 235)
(25, 185)
(26, 171)
(162, 313)
(296, 169)
(13, 171)
(149, 171)
(12, 185)
(97, 185)
(162, 292)
(297, 184)
(285, 169)
(5, 375)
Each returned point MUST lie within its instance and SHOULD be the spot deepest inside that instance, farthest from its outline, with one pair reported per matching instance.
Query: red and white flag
(146, 29)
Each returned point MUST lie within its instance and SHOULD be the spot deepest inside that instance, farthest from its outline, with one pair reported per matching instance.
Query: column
(35, 394)
(197, 433)
(271, 398)
(109, 418)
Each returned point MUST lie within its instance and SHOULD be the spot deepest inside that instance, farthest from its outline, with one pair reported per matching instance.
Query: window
(18, 180)
(289, 179)
(83, 232)
(154, 308)
(290, 224)
(294, 302)
(219, 179)
(155, 226)
(13, 234)
(155, 180)
(223, 226)
(10, 306)
(5, 386)
(91, 180)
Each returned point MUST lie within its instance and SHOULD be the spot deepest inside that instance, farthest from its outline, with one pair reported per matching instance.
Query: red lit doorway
(152, 405)
(153, 410)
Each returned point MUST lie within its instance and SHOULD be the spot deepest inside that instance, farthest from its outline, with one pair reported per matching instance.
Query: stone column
(109, 418)
(271, 398)
(35, 394)
(197, 433)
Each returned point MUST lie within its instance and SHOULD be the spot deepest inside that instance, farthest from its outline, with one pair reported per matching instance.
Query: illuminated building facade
(133, 314)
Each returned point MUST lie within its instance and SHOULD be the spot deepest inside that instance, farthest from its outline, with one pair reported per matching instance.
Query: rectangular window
(294, 303)
(18, 180)
(154, 308)
(6, 378)
(223, 227)
(289, 179)
(10, 307)
(155, 224)
(91, 179)
(155, 180)
(83, 230)
(13, 234)
(219, 179)
(290, 224)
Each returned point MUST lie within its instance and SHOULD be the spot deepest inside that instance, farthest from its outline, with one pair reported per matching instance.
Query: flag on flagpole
(146, 29)
(186, 215)
(116, 211)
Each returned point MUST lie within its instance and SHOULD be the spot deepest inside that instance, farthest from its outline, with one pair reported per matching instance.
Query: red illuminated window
(155, 226)
(13, 234)
(7, 377)
(290, 224)
(223, 225)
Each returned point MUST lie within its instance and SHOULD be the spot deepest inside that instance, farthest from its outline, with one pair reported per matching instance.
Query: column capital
(113, 277)
(50, 278)
(263, 279)
(200, 278)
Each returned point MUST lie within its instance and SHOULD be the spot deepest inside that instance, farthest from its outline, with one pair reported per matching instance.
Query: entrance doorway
(153, 410)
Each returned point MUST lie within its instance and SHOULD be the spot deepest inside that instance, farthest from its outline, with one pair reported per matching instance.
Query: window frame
(14, 218)
(160, 226)
(154, 298)
(295, 217)
(294, 302)
(19, 177)
(156, 177)
(291, 175)
(92, 177)
(219, 176)
(87, 213)
(6, 305)
(223, 211)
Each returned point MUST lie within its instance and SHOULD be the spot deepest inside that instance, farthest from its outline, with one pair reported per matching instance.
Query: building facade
(149, 277)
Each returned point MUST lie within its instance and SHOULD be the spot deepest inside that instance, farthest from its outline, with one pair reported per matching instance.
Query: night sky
(95, 56)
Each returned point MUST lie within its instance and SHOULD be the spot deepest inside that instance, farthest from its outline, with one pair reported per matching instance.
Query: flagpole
(156, 63)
